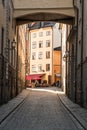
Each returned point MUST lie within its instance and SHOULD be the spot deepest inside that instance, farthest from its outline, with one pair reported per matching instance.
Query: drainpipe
(81, 83)
(76, 58)
(82, 55)
(52, 57)
(61, 79)
(17, 65)
(76, 49)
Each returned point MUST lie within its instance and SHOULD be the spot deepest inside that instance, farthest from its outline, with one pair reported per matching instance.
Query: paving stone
(42, 110)
(6, 109)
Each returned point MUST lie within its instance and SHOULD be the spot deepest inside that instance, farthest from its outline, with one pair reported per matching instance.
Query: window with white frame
(33, 55)
(47, 43)
(40, 55)
(33, 68)
(40, 34)
(40, 67)
(40, 44)
(47, 54)
(34, 45)
(47, 33)
(34, 35)
(47, 67)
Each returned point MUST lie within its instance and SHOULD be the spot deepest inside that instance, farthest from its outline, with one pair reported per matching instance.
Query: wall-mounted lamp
(67, 57)
(64, 57)
(13, 44)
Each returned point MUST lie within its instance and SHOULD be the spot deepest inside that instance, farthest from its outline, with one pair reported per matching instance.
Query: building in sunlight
(63, 65)
(44, 37)
(56, 66)
(21, 57)
(56, 75)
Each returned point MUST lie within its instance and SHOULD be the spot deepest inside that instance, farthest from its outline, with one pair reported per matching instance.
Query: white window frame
(34, 35)
(40, 44)
(48, 33)
(33, 68)
(40, 34)
(40, 55)
(40, 67)
(34, 56)
(47, 43)
(34, 45)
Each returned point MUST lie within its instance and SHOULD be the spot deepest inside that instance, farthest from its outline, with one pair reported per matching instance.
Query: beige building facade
(41, 52)
(44, 38)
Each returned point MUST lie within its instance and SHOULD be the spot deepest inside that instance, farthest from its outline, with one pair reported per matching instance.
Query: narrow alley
(42, 110)
(43, 65)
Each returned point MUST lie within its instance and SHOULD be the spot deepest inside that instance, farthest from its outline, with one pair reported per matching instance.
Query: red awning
(34, 76)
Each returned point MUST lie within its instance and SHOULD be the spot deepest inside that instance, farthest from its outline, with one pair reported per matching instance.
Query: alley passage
(41, 110)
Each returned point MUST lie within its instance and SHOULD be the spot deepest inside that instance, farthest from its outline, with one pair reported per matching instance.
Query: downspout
(17, 65)
(76, 58)
(76, 47)
(52, 79)
(67, 66)
(82, 55)
(61, 79)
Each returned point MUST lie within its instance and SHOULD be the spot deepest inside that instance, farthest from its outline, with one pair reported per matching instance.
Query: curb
(5, 115)
(77, 117)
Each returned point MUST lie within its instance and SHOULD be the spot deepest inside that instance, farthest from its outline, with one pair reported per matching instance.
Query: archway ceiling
(44, 17)
(43, 10)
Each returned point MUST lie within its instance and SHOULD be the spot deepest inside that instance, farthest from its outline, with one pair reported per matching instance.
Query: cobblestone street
(42, 110)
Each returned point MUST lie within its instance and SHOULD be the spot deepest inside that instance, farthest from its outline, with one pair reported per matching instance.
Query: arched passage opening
(43, 17)
(32, 11)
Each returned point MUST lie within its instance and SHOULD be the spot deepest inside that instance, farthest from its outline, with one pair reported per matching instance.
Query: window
(33, 55)
(34, 45)
(2, 40)
(9, 15)
(8, 50)
(40, 34)
(34, 35)
(47, 43)
(47, 67)
(39, 67)
(33, 68)
(40, 55)
(47, 33)
(13, 57)
(40, 44)
(47, 54)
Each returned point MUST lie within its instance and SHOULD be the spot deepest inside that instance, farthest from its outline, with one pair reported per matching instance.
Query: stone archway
(45, 10)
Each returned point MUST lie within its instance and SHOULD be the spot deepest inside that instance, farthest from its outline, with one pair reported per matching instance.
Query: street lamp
(12, 47)
(67, 57)
(13, 44)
